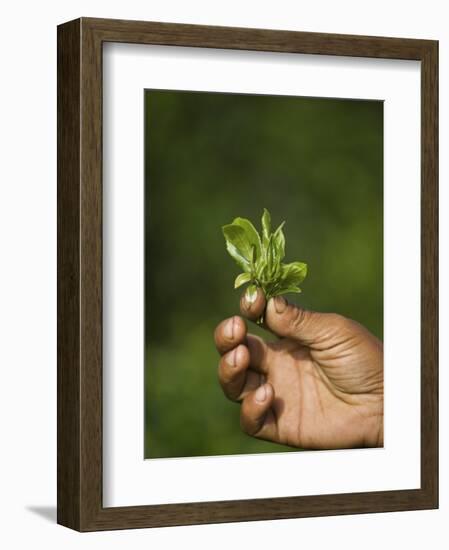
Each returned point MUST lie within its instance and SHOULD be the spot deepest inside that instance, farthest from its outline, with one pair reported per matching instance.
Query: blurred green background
(210, 157)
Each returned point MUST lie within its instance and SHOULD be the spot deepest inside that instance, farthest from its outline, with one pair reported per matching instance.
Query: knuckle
(336, 318)
(340, 321)
(297, 317)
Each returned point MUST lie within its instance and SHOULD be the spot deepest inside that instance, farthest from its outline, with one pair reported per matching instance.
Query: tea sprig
(260, 257)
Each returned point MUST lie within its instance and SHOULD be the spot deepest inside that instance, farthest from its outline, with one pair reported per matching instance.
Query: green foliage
(261, 257)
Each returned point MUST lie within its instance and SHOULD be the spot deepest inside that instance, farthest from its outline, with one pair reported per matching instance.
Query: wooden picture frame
(80, 503)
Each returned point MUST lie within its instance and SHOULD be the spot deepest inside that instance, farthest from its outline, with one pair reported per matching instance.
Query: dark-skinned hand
(319, 386)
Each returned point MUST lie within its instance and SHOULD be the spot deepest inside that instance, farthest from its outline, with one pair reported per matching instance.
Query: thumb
(289, 321)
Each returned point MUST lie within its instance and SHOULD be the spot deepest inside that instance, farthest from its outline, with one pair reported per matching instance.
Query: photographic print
(263, 273)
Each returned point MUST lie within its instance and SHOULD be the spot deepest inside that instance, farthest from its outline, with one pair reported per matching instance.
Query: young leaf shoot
(260, 257)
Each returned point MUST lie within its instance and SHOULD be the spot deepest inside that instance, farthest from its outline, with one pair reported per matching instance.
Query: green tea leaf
(242, 279)
(253, 256)
(271, 251)
(238, 245)
(266, 226)
(293, 274)
(261, 268)
(275, 270)
(260, 257)
(251, 294)
(279, 240)
(288, 290)
(251, 234)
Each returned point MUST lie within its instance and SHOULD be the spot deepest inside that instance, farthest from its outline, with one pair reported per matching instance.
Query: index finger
(252, 305)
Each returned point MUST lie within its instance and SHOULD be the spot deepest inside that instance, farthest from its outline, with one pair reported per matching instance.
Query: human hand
(320, 386)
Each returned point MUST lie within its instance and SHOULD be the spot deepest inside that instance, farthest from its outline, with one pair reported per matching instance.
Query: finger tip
(252, 306)
(241, 357)
(239, 328)
(276, 307)
(270, 391)
(229, 333)
(264, 394)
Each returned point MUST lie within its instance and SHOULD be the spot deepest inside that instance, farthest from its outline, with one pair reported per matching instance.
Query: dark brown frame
(80, 274)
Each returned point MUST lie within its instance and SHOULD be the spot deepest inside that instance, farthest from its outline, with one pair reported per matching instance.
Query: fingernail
(229, 329)
(280, 304)
(231, 358)
(261, 394)
(251, 295)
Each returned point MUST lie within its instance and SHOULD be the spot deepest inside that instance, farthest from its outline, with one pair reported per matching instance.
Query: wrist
(380, 432)
(374, 434)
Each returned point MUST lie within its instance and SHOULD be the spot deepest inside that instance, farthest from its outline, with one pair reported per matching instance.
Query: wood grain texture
(429, 271)
(80, 274)
(68, 317)
(144, 32)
